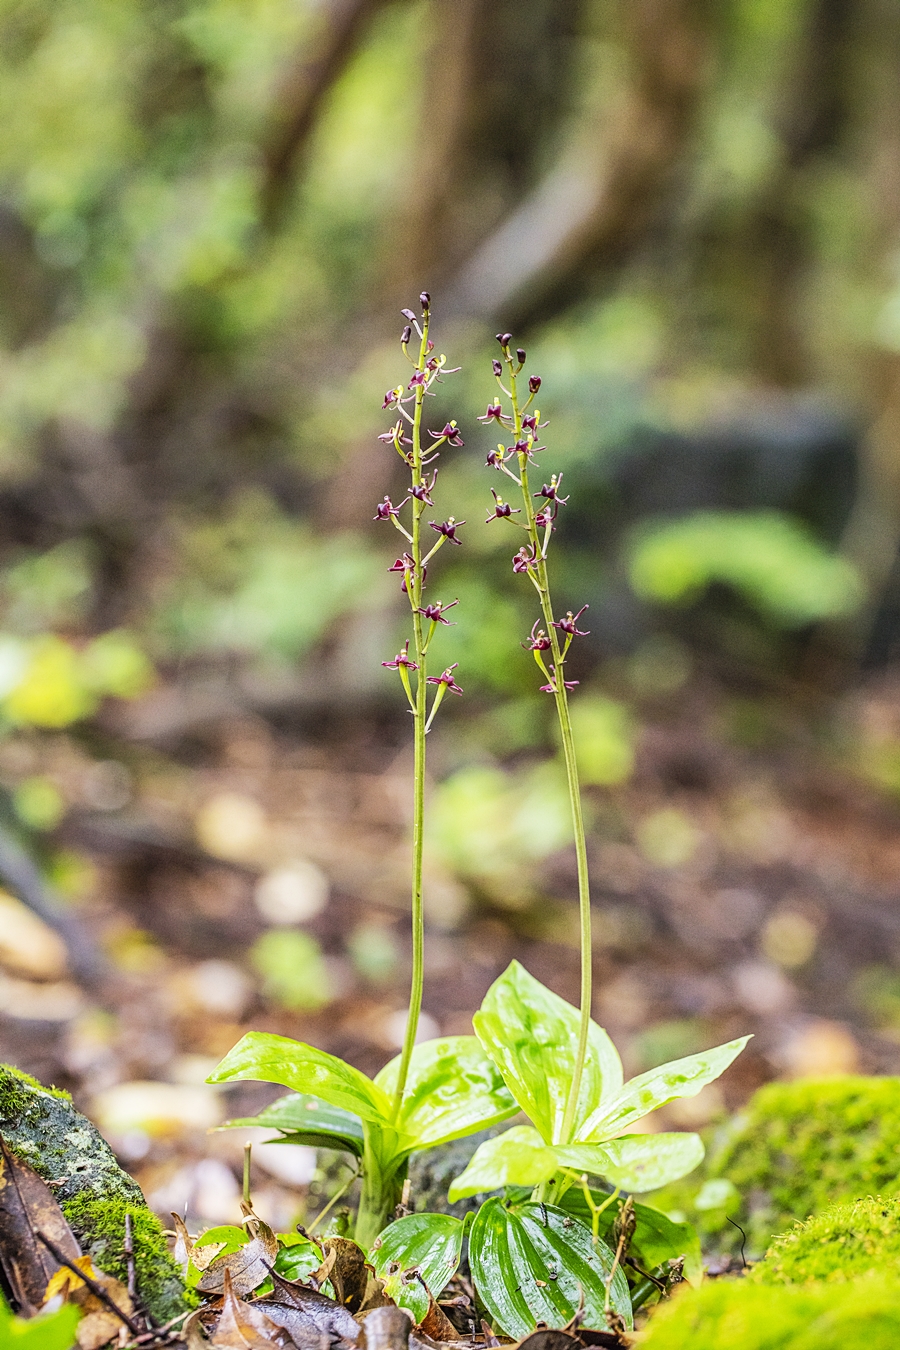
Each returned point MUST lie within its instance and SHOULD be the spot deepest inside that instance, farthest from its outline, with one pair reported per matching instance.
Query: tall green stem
(542, 585)
(414, 591)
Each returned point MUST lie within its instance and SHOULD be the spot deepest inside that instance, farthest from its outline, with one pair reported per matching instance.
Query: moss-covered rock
(739, 1315)
(840, 1244)
(795, 1150)
(42, 1127)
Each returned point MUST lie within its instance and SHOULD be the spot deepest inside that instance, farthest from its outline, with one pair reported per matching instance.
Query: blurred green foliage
(769, 559)
(293, 971)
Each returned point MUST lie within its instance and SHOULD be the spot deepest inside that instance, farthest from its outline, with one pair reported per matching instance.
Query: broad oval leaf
(532, 1036)
(637, 1162)
(646, 1093)
(308, 1120)
(518, 1157)
(657, 1238)
(534, 1263)
(453, 1089)
(429, 1243)
(278, 1059)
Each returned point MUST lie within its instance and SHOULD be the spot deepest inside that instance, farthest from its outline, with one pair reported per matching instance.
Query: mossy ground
(840, 1244)
(99, 1224)
(42, 1127)
(739, 1315)
(795, 1150)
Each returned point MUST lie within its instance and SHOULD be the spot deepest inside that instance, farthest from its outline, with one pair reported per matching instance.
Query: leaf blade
(670, 1082)
(430, 1242)
(453, 1089)
(518, 1157)
(304, 1119)
(532, 1036)
(528, 1271)
(638, 1162)
(278, 1059)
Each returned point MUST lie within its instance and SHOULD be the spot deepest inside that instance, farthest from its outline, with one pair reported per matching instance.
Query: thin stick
(96, 1289)
(342, 1190)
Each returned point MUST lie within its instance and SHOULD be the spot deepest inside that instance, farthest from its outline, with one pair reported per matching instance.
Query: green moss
(99, 1225)
(738, 1315)
(843, 1242)
(796, 1149)
(42, 1127)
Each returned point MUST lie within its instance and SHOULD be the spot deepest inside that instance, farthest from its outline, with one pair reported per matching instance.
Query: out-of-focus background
(210, 214)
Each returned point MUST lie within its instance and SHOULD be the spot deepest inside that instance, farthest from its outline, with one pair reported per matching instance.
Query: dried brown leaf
(437, 1325)
(320, 1313)
(385, 1329)
(28, 1206)
(247, 1267)
(349, 1272)
(244, 1326)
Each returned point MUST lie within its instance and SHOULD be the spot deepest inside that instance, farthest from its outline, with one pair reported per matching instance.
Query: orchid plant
(542, 1253)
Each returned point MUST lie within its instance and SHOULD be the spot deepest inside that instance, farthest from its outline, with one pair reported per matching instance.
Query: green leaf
(637, 1162)
(680, 1078)
(277, 1059)
(47, 1331)
(429, 1243)
(657, 1238)
(531, 1034)
(298, 1259)
(518, 1157)
(452, 1090)
(308, 1120)
(534, 1263)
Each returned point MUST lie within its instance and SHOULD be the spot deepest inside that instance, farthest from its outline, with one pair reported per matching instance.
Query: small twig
(743, 1239)
(630, 1261)
(129, 1254)
(96, 1289)
(333, 1201)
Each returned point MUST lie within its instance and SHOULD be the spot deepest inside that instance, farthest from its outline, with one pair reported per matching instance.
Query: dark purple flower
(496, 457)
(520, 355)
(401, 659)
(418, 378)
(497, 368)
(524, 560)
(408, 314)
(435, 612)
(451, 432)
(448, 529)
(405, 563)
(551, 688)
(422, 491)
(425, 300)
(384, 510)
(391, 398)
(534, 383)
(502, 509)
(446, 679)
(494, 412)
(545, 517)
(551, 491)
(504, 339)
(570, 624)
(405, 336)
(539, 641)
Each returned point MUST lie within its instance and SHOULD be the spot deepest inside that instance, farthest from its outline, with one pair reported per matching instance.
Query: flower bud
(408, 314)
(504, 339)
(405, 335)
(534, 383)
(520, 355)
(497, 368)
(425, 301)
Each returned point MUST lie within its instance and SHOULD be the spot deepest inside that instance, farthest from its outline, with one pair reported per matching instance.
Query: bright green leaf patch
(656, 1238)
(50, 1331)
(452, 1090)
(308, 1120)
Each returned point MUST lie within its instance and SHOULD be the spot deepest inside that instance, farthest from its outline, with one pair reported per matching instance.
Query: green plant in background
(443, 1089)
(769, 558)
